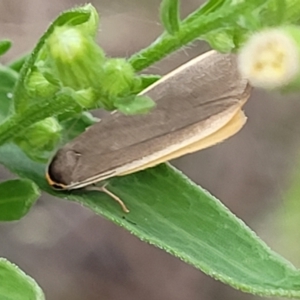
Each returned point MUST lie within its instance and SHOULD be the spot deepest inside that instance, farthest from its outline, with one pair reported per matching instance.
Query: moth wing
(231, 128)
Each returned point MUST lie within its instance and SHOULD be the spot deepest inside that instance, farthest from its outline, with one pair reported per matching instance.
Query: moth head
(60, 169)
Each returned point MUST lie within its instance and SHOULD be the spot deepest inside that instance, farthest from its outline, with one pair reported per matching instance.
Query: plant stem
(166, 43)
(194, 26)
(204, 20)
(16, 124)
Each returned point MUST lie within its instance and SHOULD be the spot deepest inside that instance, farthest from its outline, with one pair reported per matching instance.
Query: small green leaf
(76, 125)
(221, 40)
(291, 13)
(279, 9)
(91, 26)
(8, 78)
(18, 63)
(134, 105)
(147, 80)
(211, 6)
(16, 285)
(73, 17)
(16, 198)
(169, 15)
(4, 46)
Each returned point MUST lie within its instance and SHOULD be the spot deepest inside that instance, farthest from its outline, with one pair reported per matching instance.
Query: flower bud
(87, 98)
(75, 57)
(118, 77)
(39, 139)
(38, 86)
(271, 58)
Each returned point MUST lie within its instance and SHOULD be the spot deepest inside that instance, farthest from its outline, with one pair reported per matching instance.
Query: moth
(198, 105)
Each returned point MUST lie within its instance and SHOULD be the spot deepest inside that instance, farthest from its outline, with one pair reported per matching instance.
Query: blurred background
(74, 254)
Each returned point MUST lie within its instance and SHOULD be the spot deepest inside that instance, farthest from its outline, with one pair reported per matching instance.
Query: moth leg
(109, 193)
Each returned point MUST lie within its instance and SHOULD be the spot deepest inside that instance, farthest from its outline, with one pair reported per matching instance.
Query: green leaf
(16, 285)
(172, 213)
(210, 6)
(76, 125)
(278, 8)
(169, 15)
(222, 40)
(292, 11)
(16, 198)
(286, 217)
(147, 80)
(18, 63)
(4, 46)
(134, 105)
(73, 17)
(8, 79)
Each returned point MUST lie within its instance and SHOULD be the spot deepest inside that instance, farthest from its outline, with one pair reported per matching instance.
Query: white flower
(270, 59)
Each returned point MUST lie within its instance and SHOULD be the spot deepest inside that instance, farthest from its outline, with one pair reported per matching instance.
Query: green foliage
(167, 209)
(147, 80)
(8, 78)
(238, 18)
(4, 46)
(16, 285)
(17, 197)
(18, 63)
(40, 139)
(169, 15)
(134, 105)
